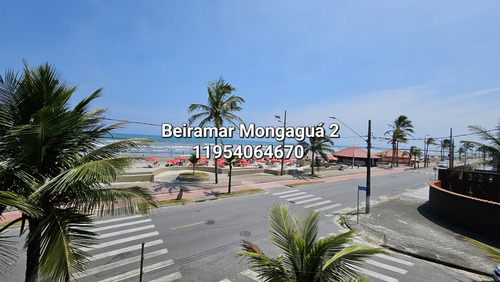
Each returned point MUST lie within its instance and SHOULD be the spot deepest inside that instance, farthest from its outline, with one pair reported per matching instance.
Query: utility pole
(284, 137)
(368, 167)
(451, 148)
(283, 157)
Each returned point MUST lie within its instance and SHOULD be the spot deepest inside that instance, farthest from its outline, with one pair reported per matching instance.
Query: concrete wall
(476, 215)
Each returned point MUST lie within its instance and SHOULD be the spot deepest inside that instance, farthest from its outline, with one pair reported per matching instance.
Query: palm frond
(59, 234)
(122, 201)
(111, 150)
(13, 199)
(269, 269)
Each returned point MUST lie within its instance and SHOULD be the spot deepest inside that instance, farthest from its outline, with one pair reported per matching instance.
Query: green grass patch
(238, 193)
(196, 174)
(173, 202)
(17, 224)
(293, 185)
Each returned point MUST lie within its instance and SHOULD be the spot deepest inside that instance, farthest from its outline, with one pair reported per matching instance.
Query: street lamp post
(284, 130)
(368, 159)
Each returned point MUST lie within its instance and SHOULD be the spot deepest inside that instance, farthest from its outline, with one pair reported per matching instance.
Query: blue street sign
(362, 188)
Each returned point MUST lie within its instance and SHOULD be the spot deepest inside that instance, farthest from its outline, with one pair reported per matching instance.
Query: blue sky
(436, 62)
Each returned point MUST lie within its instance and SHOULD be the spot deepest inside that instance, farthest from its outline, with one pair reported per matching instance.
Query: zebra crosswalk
(380, 267)
(310, 201)
(117, 255)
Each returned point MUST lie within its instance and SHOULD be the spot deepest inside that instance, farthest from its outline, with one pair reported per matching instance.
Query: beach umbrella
(173, 161)
(332, 158)
(274, 160)
(181, 158)
(152, 159)
(260, 160)
(203, 159)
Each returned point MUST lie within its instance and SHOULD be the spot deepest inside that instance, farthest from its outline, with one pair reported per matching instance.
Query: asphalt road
(199, 241)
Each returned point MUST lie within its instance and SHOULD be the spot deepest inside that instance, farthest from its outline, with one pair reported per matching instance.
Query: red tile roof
(388, 154)
(353, 151)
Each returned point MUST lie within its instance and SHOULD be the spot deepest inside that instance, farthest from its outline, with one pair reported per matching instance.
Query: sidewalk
(404, 224)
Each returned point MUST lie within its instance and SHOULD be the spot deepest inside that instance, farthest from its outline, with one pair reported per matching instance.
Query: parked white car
(442, 164)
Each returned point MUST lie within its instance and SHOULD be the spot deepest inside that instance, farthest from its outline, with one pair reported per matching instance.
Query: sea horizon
(173, 147)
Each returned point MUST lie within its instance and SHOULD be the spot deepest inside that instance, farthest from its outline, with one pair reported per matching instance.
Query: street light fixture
(284, 137)
(368, 159)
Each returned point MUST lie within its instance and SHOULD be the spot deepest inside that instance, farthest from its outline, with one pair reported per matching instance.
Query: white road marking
(318, 204)
(118, 263)
(251, 274)
(121, 232)
(124, 250)
(135, 272)
(395, 259)
(309, 200)
(377, 275)
(286, 192)
(328, 207)
(301, 197)
(291, 195)
(119, 225)
(119, 241)
(171, 277)
(116, 219)
(225, 280)
(386, 266)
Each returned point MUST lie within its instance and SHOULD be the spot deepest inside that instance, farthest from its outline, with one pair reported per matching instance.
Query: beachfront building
(355, 155)
(402, 157)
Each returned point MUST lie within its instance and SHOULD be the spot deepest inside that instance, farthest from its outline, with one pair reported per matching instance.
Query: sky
(436, 62)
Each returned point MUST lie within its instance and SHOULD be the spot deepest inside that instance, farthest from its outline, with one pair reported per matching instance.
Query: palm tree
(415, 152)
(461, 151)
(428, 141)
(444, 144)
(193, 159)
(230, 161)
(306, 258)
(219, 109)
(52, 170)
(401, 127)
(483, 149)
(317, 146)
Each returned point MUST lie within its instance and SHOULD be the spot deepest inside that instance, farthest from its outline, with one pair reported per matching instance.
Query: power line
(346, 137)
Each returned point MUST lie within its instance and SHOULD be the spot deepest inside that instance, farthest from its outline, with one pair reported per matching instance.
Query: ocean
(173, 147)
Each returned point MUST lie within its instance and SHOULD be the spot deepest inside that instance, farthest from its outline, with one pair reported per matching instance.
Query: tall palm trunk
(216, 169)
(393, 153)
(32, 254)
(312, 164)
(230, 172)
(397, 153)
